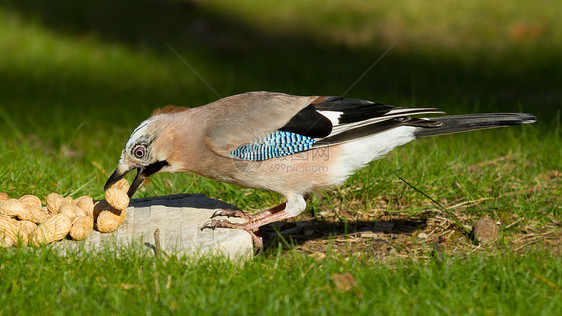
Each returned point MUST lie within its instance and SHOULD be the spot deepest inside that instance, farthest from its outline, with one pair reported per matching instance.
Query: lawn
(77, 78)
(279, 283)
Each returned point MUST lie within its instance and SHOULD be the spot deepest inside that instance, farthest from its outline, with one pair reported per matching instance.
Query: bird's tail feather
(469, 122)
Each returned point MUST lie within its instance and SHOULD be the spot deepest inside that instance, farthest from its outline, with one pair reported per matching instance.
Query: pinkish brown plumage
(291, 145)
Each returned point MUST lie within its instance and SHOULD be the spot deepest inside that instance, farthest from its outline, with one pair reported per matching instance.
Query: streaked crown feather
(168, 109)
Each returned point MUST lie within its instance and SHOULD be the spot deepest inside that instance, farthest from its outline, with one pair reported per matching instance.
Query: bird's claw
(222, 223)
(231, 213)
(212, 224)
(217, 213)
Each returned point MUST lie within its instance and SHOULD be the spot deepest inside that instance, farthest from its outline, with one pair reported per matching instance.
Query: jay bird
(292, 145)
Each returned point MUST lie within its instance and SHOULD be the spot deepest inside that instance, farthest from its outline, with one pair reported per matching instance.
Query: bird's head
(147, 150)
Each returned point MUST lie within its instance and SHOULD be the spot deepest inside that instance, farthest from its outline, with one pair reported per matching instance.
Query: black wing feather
(308, 122)
(360, 132)
(353, 110)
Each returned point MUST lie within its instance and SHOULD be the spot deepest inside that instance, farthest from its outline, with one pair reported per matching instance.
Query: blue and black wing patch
(275, 145)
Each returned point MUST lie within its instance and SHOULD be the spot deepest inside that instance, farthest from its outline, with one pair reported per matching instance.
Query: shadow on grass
(302, 233)
(237, 58)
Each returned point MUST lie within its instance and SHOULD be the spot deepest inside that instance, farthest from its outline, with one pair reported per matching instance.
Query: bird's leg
(274, 214)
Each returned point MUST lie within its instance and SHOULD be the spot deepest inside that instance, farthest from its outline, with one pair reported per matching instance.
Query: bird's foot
(254, 222)
(251, 229)
(232, 213)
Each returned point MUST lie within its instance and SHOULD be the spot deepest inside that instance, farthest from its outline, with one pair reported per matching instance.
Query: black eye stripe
(155, 167)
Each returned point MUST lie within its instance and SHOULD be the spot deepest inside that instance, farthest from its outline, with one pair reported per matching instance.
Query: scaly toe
(231, 213)
(212, 224)
(221, 223)
(217, 213)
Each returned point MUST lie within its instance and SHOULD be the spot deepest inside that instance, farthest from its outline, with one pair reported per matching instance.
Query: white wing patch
(333, 116)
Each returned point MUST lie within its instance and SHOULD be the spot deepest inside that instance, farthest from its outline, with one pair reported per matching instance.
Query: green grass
(280, 283)
(77, 78)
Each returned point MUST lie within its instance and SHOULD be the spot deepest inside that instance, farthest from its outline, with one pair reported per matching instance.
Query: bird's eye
(139, 152)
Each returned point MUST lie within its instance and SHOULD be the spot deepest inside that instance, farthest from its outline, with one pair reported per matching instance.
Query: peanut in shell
(8, 232)
(26, 226)
(54, 201)
(53, 229)
(117, 198)
(122, 185)
(34, 214)
(68, 210)
(86, 203)
(107, 217)
(81, 227)
(79, 212)
(31, 200)
(24, 230)
(12, 207)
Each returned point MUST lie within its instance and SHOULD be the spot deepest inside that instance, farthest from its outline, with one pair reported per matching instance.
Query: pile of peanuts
(25, 221)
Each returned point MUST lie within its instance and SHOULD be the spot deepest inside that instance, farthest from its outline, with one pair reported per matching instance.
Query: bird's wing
(245, 118)
(264, 125)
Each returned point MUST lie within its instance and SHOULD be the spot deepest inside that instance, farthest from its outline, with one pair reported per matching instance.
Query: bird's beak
(119, 174)
(114, 177)
(139, 179)
(143, 172)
